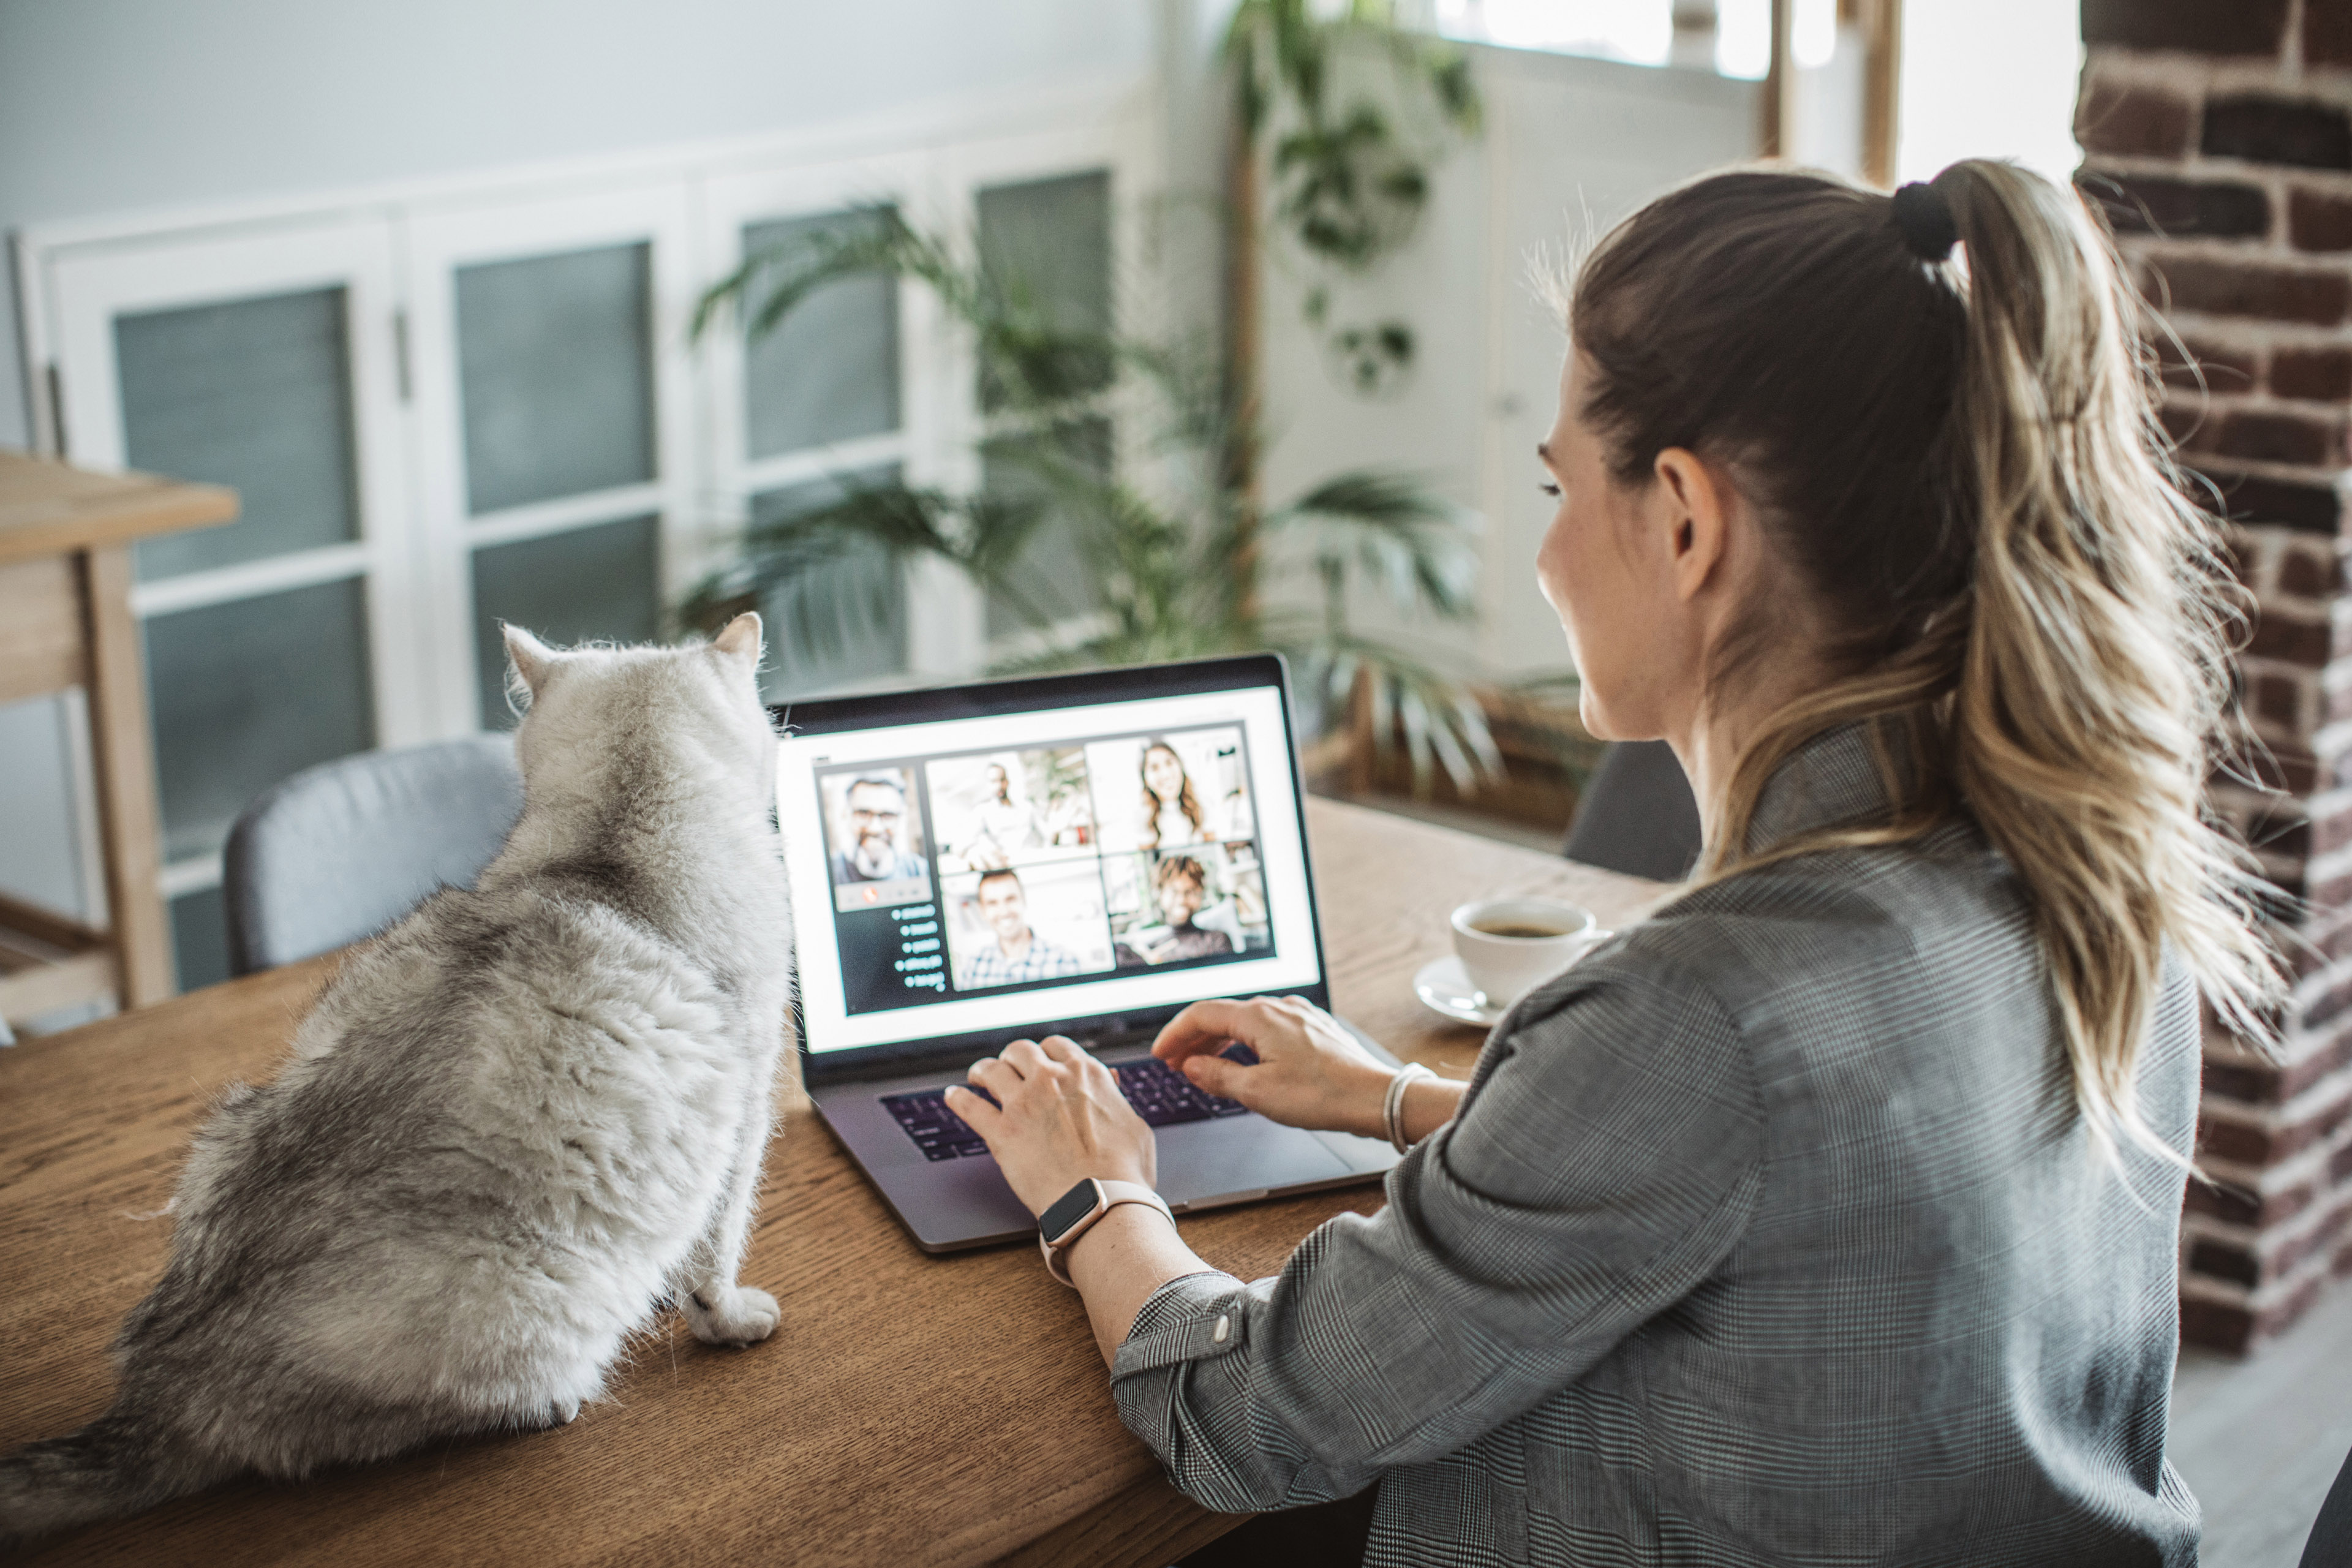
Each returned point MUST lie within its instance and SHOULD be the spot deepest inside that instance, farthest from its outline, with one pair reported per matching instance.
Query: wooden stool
(66, 621)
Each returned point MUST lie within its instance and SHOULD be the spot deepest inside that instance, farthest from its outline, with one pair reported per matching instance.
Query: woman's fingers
(1206, 1028)
(979, 1114)
(995, 1075)
(1025, 1056)
(1061, 1049)
(1214, 1074)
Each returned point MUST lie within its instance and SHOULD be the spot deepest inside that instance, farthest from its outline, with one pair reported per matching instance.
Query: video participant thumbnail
(1010, 809)
(1164, 791)
(1187, 906)
(875, 832)
(1010, 926)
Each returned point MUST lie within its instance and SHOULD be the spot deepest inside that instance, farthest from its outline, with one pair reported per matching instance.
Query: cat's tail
(113, 1467)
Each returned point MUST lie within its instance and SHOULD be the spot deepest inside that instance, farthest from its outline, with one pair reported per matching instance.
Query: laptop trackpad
(1240, 1155)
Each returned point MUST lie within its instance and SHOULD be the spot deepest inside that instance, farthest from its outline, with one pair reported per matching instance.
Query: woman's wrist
(1366, 1103)
(1427, 1104)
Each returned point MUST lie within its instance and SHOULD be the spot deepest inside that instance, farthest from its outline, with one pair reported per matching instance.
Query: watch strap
(1109, 1195)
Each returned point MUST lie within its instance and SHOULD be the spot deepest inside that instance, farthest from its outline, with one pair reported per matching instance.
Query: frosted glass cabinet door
(1044, 246)
(556, 373)
(852, 612)
(249, 691)
(829, 371)
(599, 584)
(1056, 572)
(255, 394)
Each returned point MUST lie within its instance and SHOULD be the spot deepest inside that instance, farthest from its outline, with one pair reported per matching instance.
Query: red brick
(2320, 1064)
(2307, 572)
(2284, 1260)
(2318, 221)
(2132, 121)
(2232, 1140)
(2148, 204)
(2331, 832)
(2239, 551)
(2307, 506)
(2262, 128)
(2277, 698)
(2215, 366)
(2322, 373)
(2220, 1326)
(2232, 287)
(2282, 436)
(2232, 1205)
(2327, 33)
(2267, 1144)
(2188, 423)
(2197, 26)
(2306, 643)
(2286, 831)
(2230, 1260)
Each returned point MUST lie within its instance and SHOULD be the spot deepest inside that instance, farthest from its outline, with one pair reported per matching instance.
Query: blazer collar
(1831, 779)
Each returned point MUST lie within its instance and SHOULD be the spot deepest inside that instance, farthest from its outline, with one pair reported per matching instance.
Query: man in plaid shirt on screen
(1018, 954)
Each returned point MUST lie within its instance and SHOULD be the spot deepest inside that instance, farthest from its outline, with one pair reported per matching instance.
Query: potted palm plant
(1175, 568)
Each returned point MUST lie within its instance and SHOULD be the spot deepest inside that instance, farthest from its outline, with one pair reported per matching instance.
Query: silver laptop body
(1079, 855)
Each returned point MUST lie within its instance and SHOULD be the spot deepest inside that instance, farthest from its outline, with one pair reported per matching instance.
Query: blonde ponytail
(2035, 619)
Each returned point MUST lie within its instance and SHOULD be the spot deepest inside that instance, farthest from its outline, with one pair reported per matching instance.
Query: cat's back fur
(511, 1128)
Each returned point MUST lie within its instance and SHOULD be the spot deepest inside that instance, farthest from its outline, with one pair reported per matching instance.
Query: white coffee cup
(1507, 945)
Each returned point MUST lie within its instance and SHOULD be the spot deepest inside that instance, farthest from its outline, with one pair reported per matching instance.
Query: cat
(511, 1128)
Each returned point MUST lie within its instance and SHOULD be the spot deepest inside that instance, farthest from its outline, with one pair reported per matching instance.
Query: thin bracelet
(1392, 1112)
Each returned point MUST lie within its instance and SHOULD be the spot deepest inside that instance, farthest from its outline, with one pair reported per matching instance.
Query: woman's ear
(1699, 523)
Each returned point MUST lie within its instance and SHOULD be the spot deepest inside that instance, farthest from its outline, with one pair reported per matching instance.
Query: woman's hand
(1309, 1071)
(1058, 1119)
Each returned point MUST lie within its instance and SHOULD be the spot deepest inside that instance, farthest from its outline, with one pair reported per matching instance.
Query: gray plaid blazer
(1770, 1233)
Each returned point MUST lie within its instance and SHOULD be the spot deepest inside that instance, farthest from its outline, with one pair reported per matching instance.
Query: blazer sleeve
(1607, 1155)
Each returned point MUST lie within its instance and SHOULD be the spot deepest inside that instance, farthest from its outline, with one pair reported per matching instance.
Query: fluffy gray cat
(512, 1128)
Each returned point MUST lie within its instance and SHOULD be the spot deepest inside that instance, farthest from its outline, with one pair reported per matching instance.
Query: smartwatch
(1074, 1214)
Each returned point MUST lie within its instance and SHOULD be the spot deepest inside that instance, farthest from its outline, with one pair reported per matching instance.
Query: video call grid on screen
(974, 875)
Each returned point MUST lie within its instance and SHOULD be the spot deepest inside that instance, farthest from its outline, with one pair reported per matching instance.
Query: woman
(1831, 1215)
(1171, 810)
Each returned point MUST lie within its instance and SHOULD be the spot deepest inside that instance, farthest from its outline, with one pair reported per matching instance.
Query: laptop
(1079, 855)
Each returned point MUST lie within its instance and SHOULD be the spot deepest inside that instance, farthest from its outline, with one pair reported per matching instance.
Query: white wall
(118, 106)
(115, 105)
(1571, 146)
(1994, 79)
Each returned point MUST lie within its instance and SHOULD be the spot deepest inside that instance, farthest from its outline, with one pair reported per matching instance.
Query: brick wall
(2218, 133)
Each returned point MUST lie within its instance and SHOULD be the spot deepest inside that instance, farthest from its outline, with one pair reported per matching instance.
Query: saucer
(1443, 987)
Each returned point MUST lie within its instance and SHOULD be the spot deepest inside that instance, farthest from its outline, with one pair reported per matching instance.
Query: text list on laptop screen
(991, 873)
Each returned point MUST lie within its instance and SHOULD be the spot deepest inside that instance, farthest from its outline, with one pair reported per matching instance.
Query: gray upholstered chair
(2330, 1545)
(342, 851)
(1637, 814)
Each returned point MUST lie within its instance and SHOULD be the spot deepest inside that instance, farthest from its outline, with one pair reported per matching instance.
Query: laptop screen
(1000, 861)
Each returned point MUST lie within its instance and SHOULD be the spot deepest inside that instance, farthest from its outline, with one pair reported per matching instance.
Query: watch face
(1068, 1209)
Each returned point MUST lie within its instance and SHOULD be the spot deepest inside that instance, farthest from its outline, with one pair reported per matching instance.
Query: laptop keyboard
(1160, 1095)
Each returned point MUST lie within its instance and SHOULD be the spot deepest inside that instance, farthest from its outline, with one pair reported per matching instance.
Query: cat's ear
(531, 658)
(741, 638)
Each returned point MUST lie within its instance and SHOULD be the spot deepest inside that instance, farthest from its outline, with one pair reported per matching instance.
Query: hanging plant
(1358, 109)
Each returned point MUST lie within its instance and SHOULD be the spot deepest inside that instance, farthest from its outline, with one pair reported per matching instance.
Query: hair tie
(1925, 220)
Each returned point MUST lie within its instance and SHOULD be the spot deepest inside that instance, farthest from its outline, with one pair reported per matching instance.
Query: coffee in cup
(1507, 945)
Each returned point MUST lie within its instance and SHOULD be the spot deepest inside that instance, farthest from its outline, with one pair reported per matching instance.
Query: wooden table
(910, 1409)
(66, 621)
